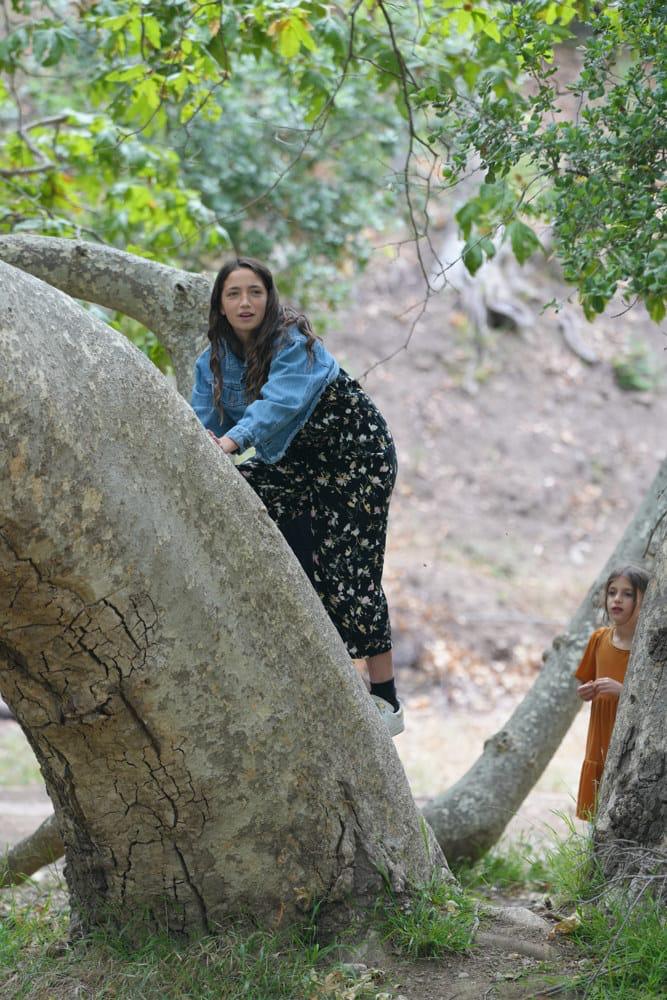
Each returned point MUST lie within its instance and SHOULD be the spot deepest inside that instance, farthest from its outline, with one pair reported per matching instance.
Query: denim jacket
(296, 381)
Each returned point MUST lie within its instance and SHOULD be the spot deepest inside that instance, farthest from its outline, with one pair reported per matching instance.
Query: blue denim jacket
(291, 392)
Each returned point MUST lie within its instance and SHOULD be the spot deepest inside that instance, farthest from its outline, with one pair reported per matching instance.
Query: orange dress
(601, 659)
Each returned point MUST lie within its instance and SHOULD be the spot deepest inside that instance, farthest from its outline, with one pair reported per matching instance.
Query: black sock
(386, 690)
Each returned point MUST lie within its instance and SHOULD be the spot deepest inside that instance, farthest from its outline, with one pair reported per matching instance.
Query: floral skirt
(341, 468)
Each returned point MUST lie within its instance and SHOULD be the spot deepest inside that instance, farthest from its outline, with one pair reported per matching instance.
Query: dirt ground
(520, 466)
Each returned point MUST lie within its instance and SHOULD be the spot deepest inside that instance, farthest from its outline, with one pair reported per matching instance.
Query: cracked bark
(631, 825)
(471, 816)
(173, 304)
(200, 728)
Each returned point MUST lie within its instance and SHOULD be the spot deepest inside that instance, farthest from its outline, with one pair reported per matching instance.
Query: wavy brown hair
(259, 355)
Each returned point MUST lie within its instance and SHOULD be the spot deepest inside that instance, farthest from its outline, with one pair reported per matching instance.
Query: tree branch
(41, 848)
(173, 304)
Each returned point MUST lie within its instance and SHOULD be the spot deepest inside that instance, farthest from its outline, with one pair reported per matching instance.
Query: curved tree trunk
(470, 817)
(208, 745)
(631, 824)
(173, 304)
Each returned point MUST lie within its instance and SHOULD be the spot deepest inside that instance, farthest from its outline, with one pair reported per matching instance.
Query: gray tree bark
(173, 304)
(208, 746)
(471, 816)
(631, 823)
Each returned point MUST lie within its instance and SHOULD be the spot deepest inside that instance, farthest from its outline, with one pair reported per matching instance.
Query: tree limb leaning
(173, 304)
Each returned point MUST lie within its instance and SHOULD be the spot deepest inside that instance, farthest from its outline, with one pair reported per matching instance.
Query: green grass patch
(513, 867)
(28, 934)
(625, 938)
(627, 942)
(432, 920)
(37, 964)
(572, 873)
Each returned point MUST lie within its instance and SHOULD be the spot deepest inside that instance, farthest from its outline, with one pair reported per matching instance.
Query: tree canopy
(287, 129)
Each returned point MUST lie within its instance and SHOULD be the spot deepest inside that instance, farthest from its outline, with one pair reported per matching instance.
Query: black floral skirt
(341, 469)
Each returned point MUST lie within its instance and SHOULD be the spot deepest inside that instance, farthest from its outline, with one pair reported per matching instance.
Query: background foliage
(288, 130)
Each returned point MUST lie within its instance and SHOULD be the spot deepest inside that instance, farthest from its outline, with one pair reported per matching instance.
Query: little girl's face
(623, 603)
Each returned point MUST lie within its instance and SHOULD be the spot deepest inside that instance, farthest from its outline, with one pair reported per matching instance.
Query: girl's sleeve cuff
(242, 439)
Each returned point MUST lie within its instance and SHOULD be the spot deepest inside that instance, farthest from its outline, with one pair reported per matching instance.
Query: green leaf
(473, 258)
(126, 75)
(523, 239)
(152, 31)
(656, 308)
(490, 28)
(303, 34)
(467, 215)
(488, 247)
(463, 21)
(216, 48)
(49, 45)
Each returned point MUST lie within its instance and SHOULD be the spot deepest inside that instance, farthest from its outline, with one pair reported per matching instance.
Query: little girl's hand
(586, 691)
(607, 685)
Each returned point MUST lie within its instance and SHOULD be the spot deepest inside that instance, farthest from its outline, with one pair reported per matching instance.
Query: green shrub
(636, 369)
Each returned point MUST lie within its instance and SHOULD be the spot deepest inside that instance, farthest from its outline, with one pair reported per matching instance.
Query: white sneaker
(394, 721)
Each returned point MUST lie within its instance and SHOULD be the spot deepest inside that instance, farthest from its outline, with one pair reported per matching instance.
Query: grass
(572, 874)
(623, 935)
(627, 941)
(516, 866)
(36, 964)
(636, 369)
(435, 919)
(623, 940)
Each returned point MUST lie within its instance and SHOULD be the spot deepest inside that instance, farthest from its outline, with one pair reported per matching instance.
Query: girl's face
(623, 603)
(243, 302)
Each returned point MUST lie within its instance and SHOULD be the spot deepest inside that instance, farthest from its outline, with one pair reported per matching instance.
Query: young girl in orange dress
(602, 672)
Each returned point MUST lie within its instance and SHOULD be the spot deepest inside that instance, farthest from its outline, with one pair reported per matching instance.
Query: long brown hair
(259, 354)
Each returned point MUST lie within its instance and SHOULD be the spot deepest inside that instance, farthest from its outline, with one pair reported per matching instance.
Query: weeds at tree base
(627, 941)
(36, 963)
(621, 943)
(430, 921)
(623, 936)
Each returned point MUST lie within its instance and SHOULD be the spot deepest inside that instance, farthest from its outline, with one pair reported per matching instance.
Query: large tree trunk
(208, 746)
(631, 825)
(470, 817)
(173, 304)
